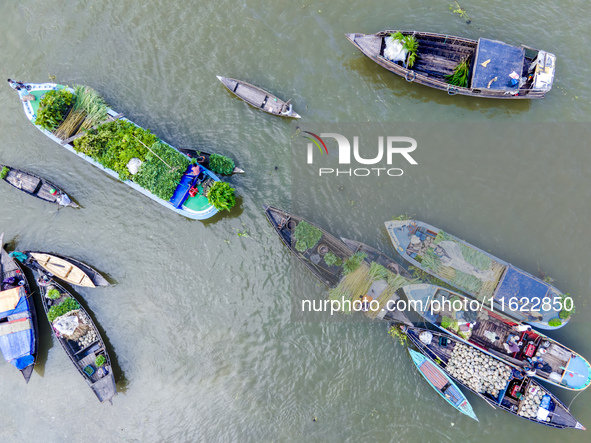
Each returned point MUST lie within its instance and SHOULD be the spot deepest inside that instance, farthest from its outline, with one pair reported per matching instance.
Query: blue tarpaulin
(504, 59)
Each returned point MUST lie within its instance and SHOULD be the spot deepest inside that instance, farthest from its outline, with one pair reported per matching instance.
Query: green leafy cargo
(307, 236)
(69, 304)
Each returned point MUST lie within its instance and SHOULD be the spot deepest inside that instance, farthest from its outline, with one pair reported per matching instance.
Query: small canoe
(259, 98)
(203, 159)
(479, 274)
(18, 319)
(36, 186)
(68, 269)
(495, 69)
(79, 337)
(517, 344)
(492, 380)
(444, 385)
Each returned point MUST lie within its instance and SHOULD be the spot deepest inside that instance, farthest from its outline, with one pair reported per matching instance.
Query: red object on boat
(530, 349)
(193, 192)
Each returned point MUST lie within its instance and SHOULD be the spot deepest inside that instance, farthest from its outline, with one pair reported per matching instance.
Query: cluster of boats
(494, 353)
(70, 324)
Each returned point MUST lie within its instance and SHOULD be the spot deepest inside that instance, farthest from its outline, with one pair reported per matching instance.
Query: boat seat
(256, 98)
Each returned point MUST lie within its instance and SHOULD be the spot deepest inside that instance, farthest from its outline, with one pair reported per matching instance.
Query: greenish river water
(200, 322)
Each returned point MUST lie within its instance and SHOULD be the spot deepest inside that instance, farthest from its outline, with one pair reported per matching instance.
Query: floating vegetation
(307, 236)
(457, 9)
(396, 333)
(460, 75)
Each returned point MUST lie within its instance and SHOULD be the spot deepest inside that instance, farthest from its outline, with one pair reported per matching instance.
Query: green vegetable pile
(4, 172)
(69, 304)
(221, 196)
(89, 109)
(53, 108)
(100, 361)
(460, 75)
(53, 294)
(353, 262)
(307, 236)
(221, 164)
(332, 260)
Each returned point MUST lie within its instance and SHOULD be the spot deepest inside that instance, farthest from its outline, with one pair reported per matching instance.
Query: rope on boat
(571, 402)
(451, 90)
(414, 75)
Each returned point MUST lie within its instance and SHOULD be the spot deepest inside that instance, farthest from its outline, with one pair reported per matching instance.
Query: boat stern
(544, 67)
(369, 44)
(400, 234)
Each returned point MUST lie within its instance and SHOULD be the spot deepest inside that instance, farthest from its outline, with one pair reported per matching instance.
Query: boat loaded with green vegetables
(79, 120)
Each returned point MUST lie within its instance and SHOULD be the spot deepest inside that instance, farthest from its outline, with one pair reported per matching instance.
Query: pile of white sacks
(477, 370)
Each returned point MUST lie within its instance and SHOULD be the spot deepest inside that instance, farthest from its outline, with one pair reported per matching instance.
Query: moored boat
(68, 269)
(35, 186)
(491, 379)
(489, 68)
(499, 336)
(442, 384)
(156, 169)
(76, 332)
(18, 319)
(259, 98)
(481, 275)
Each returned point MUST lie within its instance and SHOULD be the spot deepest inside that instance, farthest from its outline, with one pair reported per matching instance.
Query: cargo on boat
(499, 336)
(480, 274)
(478, 68)
(493, 380)
(79, 120)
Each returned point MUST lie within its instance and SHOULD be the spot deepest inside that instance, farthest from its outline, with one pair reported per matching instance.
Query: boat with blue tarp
(188, 199)
(499, 336)
(492, 379)
(480, 274)
(442, 384)
(18, 319)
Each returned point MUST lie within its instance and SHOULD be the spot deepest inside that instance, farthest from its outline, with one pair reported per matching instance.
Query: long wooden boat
(196, 206)
(442, 384)
(202, 158)
(18, 320)
(492, 380)
(497, 70)
(37, 187)
(479, 274)
(499, 336)
(259, 98)
(68, 269)
(79, 337)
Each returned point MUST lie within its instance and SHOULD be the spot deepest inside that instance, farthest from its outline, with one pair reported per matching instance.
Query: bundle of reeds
(88, 109)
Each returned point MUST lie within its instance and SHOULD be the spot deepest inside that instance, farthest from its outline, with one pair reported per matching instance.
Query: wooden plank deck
(254, 97)
(23, 181)
(433, 375)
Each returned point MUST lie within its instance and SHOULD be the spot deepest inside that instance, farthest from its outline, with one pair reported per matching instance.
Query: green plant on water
(353, 262)
(396, 333)
(457, 9)
(332, 260)
(306, 235)
(221, 164)
(555, 322)
(100, 361)
(4, 172)
(410, 44)
(565, 313)
(52, 108)
(53, 294)
(69, 304)
(460, 75)
(221, 196)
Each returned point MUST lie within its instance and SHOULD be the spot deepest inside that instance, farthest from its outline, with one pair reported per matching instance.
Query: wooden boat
(511, 390)
(499, 336)
(18, 320)
(79, 337)
(68, 269)
(493, 64)
(479, 274)
(37, 187)
(442, 384)
(203, 159)
(259, 98)
(196, 206)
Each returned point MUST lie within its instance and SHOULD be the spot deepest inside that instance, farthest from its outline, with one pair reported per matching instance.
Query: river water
(200, 320)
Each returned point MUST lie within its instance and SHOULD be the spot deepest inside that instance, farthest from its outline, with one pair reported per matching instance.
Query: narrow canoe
(259, 98)
(442, 384)
(499, 336)
(496, 69)
(492, 380)
(68, 269)
(196, 207)
(18, 319)
(37, 187)
(477, 273)
(80, 339)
